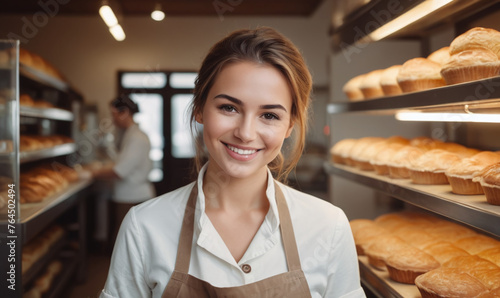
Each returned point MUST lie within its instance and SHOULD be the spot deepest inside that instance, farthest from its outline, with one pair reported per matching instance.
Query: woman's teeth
(241, 151)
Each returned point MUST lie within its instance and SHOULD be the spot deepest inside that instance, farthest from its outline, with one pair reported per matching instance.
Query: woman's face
(246, 117)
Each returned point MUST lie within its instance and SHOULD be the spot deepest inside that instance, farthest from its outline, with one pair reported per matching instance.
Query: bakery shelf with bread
(471, 56)
(443, 177)
(429, 253)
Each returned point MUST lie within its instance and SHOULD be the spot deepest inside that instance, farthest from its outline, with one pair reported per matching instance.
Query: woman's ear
(290, 129)
(199, 118)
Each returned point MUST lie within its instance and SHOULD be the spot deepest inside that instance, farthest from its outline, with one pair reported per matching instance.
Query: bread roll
(441, 56)
(478, 37)
(420, 74)
(352, 90)
(370, 84)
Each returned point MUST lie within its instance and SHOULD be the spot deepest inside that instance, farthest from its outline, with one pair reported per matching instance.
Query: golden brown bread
(389, 82)
(382, 247)
(420, 74)
(440, 56)
(492, 255)
(430, 167)
(489, 178)
(370, 84)
(444, 251)
(478, 37)
(449, 282)
(477, 243)
(471, 65)
(352, 90)
(407, 264)
(461, 174)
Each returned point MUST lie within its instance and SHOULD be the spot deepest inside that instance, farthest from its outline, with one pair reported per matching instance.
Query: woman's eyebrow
(239, 102)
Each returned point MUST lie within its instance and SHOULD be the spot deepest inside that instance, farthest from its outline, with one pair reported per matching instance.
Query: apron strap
(187, 230)
(287, 234)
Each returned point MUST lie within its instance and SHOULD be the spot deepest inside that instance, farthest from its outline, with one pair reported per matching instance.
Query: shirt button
(246, 268)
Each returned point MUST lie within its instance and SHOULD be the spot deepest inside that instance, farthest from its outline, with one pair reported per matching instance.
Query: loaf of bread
(420, 74)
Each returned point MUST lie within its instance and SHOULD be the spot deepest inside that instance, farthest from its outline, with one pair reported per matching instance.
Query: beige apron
(290, 284)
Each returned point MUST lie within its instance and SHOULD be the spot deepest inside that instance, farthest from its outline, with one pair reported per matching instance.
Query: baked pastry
(371, 151)
(364, 236)
(441, 56)
(492, 255)
(471, 65)
(370, 84)
(381, 160)
(491, 294)
(449, 282)
(407, 264)
(430, 167)
(26, 100)
(425, 143)
(461, 174)
(444, 251)
(477, 243)
(340, 150)
(389, 82)
(352, 90)
(489, 178)
(414, 236)
(400, 162)
(383, 247)
(420, 74)
(359, 147)
(477, 37)
(470, 263)
(448, 231)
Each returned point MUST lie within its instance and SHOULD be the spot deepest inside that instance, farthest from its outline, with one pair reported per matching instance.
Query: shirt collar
(269, 227)
(272, 218)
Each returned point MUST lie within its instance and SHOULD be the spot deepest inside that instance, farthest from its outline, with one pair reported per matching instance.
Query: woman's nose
(246, 130)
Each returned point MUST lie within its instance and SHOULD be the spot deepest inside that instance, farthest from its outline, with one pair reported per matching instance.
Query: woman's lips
(240, 153)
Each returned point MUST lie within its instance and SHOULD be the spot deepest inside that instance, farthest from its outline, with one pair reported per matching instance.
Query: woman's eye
(227, 108)
(270, 116)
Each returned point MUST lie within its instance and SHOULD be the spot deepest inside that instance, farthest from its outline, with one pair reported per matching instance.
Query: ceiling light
(117, 32)
(111, 21)
(158, 14)
(108, 16)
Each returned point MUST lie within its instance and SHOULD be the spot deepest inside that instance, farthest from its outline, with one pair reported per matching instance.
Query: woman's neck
(234, 194)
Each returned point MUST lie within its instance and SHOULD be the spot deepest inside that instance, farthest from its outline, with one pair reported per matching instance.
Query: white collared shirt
(145, 250)
(133, 165)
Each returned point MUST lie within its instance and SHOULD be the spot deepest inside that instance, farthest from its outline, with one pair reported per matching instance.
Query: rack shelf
(477, 92)
(42, 78)
(36, 216)
(46, 113)
(379, 282)
(40, 264)
(472, 210)
(46, 153)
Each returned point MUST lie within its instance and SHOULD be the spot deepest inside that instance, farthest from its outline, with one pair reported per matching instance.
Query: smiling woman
(242, 233)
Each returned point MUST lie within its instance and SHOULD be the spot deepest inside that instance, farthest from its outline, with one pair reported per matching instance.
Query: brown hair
(261, 45)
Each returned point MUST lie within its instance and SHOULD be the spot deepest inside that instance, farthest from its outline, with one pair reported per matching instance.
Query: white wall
(82, 48)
